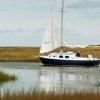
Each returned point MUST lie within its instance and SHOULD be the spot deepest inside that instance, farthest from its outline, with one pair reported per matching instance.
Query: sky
(23, 22)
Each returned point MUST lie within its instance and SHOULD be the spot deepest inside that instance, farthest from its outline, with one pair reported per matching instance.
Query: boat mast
(52, 24)
(62, 24)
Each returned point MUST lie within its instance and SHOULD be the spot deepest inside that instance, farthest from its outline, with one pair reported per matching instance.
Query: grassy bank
(19, 54)
(51, 96)
(6, 77)
(23, 54)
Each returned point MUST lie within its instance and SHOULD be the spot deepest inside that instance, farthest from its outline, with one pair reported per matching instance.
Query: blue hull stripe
(46, 61)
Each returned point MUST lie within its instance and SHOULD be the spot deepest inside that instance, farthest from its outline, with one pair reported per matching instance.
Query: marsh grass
(4, 77)
(34, 95)
(19, 54)
(23, 54)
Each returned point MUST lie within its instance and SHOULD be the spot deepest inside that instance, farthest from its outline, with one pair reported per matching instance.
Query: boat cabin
(64, 55)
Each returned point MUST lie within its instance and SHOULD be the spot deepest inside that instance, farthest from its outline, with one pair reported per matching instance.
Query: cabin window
(66, 56)
(61, 56)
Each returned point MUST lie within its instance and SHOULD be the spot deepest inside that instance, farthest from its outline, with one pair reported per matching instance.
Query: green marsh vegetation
(4, 77)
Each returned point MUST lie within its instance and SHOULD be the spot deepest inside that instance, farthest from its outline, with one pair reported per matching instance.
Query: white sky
(23, 22)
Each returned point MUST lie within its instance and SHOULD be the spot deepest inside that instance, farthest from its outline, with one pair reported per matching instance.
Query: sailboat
(51, 42)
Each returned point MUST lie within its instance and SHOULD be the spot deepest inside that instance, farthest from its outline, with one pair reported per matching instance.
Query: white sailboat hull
(70, 62)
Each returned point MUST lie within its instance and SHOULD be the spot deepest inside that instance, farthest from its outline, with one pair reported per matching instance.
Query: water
(34, 75)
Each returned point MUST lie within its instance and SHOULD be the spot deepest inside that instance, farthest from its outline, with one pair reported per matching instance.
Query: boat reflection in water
(59, 80)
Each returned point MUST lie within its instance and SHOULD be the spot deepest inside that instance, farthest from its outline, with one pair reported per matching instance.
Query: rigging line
(52, 24)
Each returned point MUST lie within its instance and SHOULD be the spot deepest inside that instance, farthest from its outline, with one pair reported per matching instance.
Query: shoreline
(30, 54)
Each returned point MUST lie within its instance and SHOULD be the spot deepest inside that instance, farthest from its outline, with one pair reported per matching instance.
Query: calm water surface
(34, 75)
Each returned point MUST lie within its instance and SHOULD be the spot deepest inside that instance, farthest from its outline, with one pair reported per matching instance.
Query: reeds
(50, 96)
(6, 77)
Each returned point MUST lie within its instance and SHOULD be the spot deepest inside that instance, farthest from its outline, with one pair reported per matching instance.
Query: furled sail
(50, 41)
